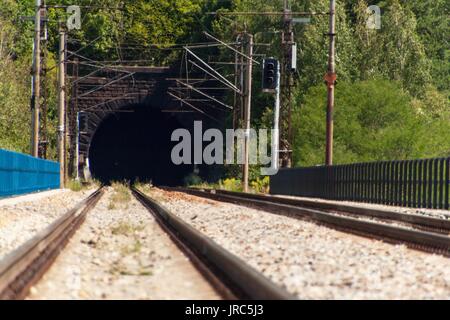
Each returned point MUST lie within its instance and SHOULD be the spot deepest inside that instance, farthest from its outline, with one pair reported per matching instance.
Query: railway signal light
(270, 74)
(271, 84)
(83, 122)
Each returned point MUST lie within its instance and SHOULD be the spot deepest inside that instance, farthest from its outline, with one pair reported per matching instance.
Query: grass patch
(136, 247)
(125, 228)
(260, 185)
(148, 188)
(142, 186)
(75, 186)
(78, 185)
(121, 193)
(120, 196)
(119, 269)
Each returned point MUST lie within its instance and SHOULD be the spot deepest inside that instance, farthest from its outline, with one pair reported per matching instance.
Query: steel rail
(25, 266)
(413, 219)
(422, 240)
(235, 278)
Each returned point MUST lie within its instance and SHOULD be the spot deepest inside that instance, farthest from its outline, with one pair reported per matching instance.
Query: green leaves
(374, 120)
(14, 106)
(397, 107)
(433, 29)
(137, 29)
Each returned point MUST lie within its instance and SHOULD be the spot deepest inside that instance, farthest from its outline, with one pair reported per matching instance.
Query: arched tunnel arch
(135, 144)
(124, 127)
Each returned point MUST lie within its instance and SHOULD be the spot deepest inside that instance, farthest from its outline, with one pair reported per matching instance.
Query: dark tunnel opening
(135, 144)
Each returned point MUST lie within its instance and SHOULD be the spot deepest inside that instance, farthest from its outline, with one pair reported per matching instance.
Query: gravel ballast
(120, 252)
(312, 261)
(434, 213)
(21, 218)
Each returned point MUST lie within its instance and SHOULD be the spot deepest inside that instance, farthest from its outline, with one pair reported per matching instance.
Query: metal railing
(408, 183)
(20, 174)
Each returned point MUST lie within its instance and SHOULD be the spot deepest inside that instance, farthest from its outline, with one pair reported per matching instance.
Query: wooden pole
(36, 95)
(62, 105)
(330, 79)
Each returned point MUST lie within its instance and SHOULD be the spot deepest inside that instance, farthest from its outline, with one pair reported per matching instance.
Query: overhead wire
(132, 45)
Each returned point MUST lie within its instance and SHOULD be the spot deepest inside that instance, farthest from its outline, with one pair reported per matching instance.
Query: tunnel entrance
(135, 144)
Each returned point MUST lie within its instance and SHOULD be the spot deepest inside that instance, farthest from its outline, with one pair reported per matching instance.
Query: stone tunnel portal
(135, 144)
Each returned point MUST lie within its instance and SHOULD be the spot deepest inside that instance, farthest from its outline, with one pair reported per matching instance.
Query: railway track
(346, 218)
(25, 266)
(420, 222)
(230, 276)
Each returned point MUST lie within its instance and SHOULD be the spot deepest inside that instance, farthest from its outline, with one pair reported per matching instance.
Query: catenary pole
(35, 98)
(61, 104)
(247, 112)
(330, 79)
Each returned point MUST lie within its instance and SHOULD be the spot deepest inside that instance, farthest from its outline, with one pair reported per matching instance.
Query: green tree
(14, 92)
(374, 120)
(131, 29)
(410, 53)
(394, 52)
(434, 30)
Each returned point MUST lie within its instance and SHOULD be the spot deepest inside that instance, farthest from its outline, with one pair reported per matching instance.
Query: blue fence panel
(21, 174)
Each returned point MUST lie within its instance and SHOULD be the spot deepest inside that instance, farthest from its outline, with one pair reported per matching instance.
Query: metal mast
(287, 84)
(62, 104)
(36, 94)
(247, 108)
(330, 80)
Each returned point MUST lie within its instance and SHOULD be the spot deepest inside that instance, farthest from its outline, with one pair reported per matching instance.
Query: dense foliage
(14, 85)
(392, 93)
(398, 73)
(374, 121)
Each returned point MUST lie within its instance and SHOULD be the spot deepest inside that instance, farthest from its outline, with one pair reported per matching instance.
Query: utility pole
(36, 94)
(43, 136)
(62, 104)
(238, 82)
(247, 109)
(288, 69)
(276, 123)
(75, 109)
(287, 72)
(330, 80)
